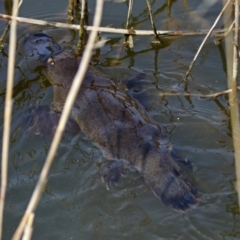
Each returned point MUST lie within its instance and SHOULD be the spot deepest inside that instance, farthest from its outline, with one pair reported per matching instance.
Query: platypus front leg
(112, 172)
(42, 121)
(177, 157)
(169, 183)
(136, 87)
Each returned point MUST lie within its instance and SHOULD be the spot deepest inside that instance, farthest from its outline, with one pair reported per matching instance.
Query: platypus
(116, 122)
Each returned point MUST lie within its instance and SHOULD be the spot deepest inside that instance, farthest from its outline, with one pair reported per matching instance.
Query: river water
(76, 203)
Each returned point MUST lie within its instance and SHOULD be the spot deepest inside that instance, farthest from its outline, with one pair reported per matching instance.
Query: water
(76, 204)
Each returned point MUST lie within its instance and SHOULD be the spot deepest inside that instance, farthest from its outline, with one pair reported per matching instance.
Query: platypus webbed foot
(137, 86)
(182, 202)
(112, 172)
(175, 189)
(41, 121)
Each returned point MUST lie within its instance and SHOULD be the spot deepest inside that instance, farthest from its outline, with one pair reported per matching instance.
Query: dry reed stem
(128, 37)
(8, 113)
(130, 6)
(111, 30)
(70, 10)
(29, 228)
(234, 110)
(60, 128)
(231, 46)
(204, 40)
(81, 30)
(220, 37)
(7, 27)
(156, 38)
(212, 95)
(150, 14)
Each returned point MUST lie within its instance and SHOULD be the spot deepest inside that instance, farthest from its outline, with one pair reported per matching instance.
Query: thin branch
(65, 114)
(8, 112)
(205, 39)
(111, 30)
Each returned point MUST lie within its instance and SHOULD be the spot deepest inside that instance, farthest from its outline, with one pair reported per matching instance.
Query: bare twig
(205, 39)
(8, 112)
(66, 111)
(111, 30)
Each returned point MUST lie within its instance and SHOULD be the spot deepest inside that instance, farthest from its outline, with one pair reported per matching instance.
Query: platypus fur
(119, 125)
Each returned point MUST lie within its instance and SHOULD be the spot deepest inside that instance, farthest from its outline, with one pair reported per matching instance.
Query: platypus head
(61, 68)
(40, 46)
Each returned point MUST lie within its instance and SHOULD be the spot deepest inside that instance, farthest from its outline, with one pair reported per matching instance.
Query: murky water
(76, 204)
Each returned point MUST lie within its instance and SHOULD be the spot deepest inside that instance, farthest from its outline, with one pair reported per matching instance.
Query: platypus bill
(117, 123)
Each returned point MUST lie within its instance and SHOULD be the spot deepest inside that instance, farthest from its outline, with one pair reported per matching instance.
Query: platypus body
(117, 123)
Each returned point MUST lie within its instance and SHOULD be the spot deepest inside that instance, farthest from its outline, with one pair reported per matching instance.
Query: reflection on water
(75, 203)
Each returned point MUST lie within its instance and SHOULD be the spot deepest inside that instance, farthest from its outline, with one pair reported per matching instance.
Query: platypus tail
(171, 185)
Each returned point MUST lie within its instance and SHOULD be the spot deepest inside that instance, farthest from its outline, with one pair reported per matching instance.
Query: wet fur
(122, 128)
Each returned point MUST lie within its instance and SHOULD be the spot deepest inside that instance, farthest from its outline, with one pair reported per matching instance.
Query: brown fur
(122, 128)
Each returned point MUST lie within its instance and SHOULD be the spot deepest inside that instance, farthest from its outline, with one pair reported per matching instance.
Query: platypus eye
(50, 60)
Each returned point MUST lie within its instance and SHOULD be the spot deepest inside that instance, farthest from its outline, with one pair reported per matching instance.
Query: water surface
(76, 204)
